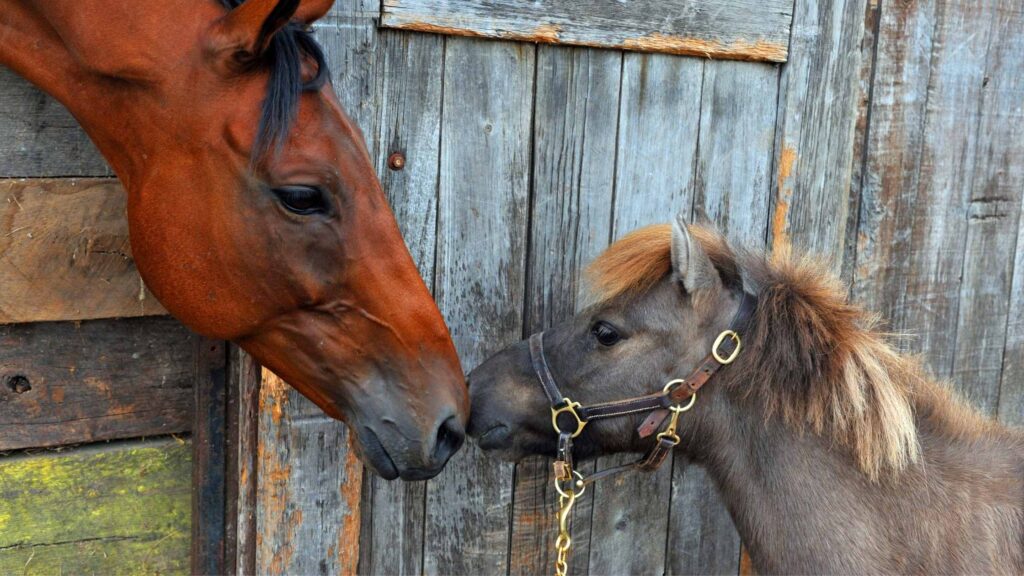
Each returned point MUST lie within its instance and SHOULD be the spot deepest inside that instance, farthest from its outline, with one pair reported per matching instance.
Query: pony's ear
(244, 33)
(690, 262)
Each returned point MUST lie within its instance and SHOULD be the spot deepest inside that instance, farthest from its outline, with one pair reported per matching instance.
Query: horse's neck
(95, 56)
(801, 505)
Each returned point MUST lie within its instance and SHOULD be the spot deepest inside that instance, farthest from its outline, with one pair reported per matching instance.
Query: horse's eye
(303, 200)
(605, 333)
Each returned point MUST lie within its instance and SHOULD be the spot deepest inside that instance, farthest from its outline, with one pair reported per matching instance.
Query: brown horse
(254, 212)
(832, 452)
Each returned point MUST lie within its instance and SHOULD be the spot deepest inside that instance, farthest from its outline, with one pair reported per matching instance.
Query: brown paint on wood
(347, 551)
(780, 218)
(64, 253)
(735, 50)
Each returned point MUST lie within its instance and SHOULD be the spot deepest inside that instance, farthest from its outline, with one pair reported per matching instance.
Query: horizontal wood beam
(726, 29)
(64, 252)
(121, 509)
(74, 382)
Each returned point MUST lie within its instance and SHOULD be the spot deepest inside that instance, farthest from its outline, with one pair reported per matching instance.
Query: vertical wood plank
(209, 460)
(1011, 391)
(243, 429)
(485, 168)
(308, 487)
(993, 212)
(732, 185)
(411, 72)
(576, 117)
(921, 154)
(658, 132)
(816, 125)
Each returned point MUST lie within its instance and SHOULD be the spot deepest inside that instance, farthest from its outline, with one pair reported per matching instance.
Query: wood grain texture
(1011, 390)
(120, 509)
(733, 29)
(656, 158)
(816, 126)
(410, 122)
(993, 213)
(920, 163)
(732, 186)
(244, 378)
(97, 380)
(482, 228)
(39, 137)
(64, 253)
(308, 487)
(575, 130)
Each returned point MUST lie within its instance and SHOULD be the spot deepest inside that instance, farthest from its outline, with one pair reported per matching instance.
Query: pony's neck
(801, 505)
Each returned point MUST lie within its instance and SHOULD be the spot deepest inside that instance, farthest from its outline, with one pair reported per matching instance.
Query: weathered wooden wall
(892, 142)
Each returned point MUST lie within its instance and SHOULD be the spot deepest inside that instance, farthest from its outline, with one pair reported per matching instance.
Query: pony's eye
(605, 333)
(303, 200)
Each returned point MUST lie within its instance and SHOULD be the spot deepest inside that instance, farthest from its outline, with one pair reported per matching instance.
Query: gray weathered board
(890, 142)
(732, 29)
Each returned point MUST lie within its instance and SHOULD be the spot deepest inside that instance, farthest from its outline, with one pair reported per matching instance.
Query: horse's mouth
(377, 456)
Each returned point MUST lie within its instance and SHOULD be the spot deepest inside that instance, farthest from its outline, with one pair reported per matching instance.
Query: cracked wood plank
(732, 186)
(482, 228)
(410, 71)
(575, 130)
(657, 147)
(121, 509)
(64, 253)
(729, 29)
(95, 380)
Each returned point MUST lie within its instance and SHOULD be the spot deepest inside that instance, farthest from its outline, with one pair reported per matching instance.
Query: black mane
(283, 58)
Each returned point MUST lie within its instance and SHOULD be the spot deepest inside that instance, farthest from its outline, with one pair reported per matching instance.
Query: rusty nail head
(396, 161)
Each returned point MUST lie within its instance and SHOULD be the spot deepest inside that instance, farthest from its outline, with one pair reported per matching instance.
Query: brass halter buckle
(570, 407)
(718, 342)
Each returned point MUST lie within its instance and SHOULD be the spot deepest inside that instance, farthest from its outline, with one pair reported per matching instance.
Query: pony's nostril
(449, 439)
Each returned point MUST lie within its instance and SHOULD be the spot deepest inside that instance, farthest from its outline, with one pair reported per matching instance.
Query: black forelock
(283, 58)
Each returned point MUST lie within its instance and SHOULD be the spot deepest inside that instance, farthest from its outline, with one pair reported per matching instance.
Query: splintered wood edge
(754, 51)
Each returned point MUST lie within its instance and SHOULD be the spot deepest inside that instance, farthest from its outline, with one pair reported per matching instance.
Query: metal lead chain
(563, 544)
(567, 495)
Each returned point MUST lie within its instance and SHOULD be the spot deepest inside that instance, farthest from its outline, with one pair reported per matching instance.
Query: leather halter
(569, 418)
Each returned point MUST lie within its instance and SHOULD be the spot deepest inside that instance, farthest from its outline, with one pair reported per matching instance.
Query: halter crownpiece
(569, 418)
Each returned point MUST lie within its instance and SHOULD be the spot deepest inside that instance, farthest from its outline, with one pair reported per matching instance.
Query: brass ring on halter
(578, 483)
(679, 381)
(569, 407)
(718, 342)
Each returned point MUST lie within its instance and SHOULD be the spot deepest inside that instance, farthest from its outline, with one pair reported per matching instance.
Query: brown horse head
(255, 213)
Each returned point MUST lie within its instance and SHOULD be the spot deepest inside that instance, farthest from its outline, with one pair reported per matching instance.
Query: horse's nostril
(449, 439)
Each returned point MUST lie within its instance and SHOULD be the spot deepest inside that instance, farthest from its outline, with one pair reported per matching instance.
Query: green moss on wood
(123, 509)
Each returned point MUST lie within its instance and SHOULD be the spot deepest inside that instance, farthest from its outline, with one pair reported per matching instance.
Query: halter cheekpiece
(569, 418)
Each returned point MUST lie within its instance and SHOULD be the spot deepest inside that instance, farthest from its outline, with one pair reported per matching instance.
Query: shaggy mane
(810, 357)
